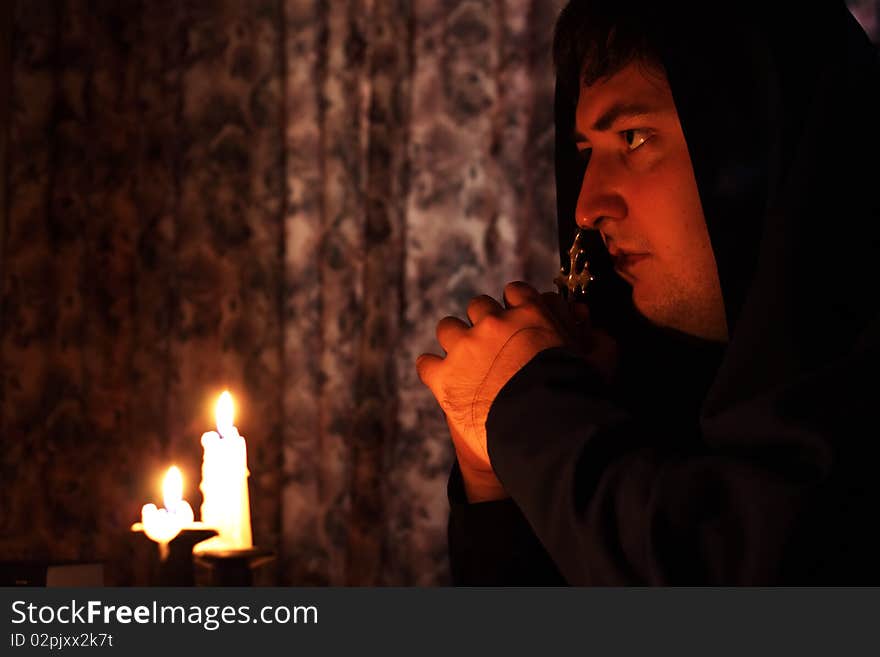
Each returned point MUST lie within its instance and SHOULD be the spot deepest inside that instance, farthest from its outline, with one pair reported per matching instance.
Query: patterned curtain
(279, 197)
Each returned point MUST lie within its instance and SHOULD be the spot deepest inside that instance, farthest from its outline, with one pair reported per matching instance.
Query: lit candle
(226, 503)
(162, 525)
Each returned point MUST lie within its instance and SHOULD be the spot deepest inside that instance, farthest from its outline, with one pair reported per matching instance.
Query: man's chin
(677, 317)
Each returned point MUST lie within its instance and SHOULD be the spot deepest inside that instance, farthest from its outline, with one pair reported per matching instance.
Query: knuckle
(530, 310)
(491, 323)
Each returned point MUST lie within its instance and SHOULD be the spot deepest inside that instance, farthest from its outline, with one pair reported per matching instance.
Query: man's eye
(635, 138)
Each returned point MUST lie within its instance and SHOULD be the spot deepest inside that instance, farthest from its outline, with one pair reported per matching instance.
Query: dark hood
(779, 105)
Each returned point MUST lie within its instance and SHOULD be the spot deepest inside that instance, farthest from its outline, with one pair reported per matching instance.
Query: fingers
(427, 366)
(518, 293)
(449, 331)
(579, 313)
(481, 306)
(555, 304)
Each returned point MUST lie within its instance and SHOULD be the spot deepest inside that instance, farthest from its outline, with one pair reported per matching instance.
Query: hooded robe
(747, 463)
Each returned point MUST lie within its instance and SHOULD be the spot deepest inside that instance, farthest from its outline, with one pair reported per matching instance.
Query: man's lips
(624, 260)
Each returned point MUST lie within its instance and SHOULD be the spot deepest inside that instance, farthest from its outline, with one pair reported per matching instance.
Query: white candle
(162, 525)
(226, 503)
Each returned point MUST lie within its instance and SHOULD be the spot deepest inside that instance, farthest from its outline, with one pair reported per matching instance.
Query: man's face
(639, 191)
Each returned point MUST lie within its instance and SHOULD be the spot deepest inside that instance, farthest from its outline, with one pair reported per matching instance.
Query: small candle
(162, 525)
(226, 503)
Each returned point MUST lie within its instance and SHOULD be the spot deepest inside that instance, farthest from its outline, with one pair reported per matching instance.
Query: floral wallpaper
(279, 197)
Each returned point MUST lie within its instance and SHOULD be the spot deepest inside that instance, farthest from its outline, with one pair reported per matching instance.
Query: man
(710, 420)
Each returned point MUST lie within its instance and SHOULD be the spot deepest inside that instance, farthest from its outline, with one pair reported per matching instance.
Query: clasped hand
(482, 358)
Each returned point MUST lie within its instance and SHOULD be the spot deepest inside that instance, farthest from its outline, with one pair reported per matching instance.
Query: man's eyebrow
(616, 112)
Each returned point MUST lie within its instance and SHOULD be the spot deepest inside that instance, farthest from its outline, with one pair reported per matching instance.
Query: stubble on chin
(695, 312)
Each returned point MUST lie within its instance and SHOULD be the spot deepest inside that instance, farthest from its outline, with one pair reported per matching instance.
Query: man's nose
(599, 197)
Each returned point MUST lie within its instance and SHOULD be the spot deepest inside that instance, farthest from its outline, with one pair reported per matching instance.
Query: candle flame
(224, 413)
(172, 487)
(162, 525)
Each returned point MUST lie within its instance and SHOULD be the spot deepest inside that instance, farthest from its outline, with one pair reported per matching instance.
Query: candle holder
(176, 568)
(232, 567)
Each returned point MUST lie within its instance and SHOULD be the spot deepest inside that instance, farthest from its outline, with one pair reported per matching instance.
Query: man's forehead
(631, 90)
